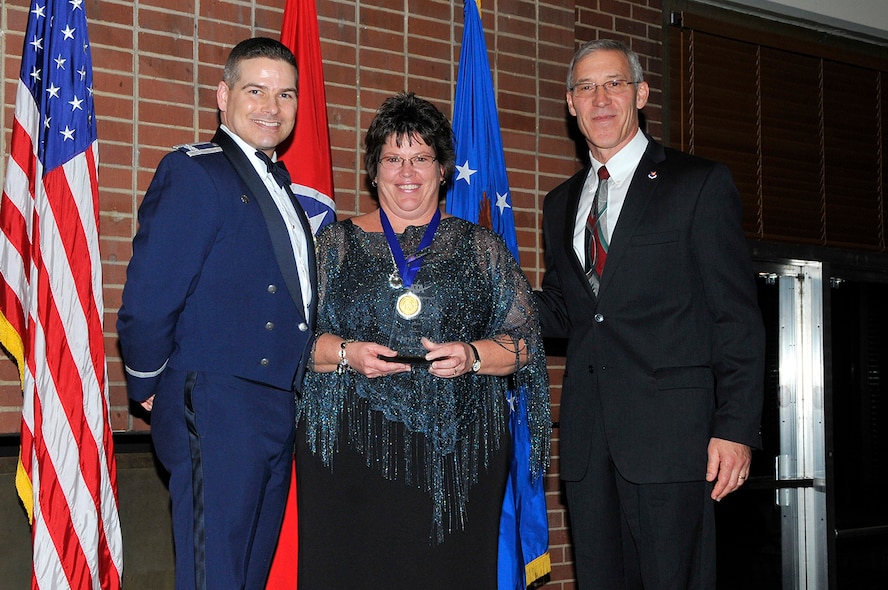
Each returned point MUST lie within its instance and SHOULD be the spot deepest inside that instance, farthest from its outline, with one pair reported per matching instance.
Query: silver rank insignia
(198, 149)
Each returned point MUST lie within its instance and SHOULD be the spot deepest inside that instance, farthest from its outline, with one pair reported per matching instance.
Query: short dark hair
(405, 115)
(251, 49)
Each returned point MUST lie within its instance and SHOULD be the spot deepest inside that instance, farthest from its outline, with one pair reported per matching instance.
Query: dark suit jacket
(673, 346)
(212, 284)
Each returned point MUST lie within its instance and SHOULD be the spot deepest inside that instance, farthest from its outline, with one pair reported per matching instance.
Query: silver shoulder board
(198, 149)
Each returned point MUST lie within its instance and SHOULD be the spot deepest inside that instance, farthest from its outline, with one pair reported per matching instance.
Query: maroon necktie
(594, 226)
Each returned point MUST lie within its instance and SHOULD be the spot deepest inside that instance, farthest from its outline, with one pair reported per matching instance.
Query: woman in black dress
(403, 445)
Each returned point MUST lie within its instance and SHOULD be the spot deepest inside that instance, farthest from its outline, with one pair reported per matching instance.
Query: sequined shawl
(471, 288)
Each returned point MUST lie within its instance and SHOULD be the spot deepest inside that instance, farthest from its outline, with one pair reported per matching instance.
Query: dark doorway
(752, 551)
(860, 433)
(748, 521)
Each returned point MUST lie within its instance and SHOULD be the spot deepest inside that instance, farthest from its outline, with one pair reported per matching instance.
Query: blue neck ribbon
(408, 266)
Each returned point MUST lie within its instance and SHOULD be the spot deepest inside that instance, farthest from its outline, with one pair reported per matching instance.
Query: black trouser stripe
(200, 562)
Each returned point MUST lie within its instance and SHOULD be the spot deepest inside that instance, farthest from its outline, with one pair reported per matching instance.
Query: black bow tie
(277, 169)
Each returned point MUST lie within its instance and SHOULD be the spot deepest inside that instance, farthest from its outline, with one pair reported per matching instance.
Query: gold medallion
(408, 305)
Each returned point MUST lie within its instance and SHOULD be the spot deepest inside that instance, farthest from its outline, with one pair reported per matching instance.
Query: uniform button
(269, 326)
(598, 318)
(591, 369)
(303, 327)
(264, 362)
(272, 289)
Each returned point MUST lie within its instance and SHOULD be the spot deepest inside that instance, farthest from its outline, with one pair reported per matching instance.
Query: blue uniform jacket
(212, 284)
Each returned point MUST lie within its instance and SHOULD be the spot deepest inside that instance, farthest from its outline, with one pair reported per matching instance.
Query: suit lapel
(310, 253)
(277, 228)
(574, 192)
(641, 190)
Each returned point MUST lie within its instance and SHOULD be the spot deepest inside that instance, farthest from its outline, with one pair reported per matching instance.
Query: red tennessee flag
(307, 153)
(51, 308)
(307, 156)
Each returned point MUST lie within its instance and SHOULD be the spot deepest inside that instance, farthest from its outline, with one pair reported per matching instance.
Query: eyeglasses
(420, 162)
(587, 89)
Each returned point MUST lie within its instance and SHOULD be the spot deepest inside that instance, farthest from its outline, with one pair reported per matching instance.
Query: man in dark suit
(662, 392)
(217, 322)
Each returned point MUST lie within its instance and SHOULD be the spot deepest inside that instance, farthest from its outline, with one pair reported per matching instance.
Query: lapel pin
(245, 198)
(652, 174)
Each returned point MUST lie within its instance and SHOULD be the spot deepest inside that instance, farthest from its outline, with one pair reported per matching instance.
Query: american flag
(51, 307)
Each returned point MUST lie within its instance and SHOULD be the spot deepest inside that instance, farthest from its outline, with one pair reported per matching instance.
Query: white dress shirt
(621, 168)
(298, 239)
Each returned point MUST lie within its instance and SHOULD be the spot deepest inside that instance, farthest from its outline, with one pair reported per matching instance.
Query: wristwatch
(476, 366)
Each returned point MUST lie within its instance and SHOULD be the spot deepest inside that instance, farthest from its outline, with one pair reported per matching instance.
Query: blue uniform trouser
(228, 445)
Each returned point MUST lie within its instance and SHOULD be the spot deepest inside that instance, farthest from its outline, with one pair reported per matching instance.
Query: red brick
(146, 64)
(10, 420)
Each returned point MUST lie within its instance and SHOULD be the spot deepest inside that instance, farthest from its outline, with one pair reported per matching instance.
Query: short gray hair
(591, 47)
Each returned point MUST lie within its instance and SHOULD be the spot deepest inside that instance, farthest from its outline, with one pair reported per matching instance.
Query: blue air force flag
(480, 193)
(480, 189)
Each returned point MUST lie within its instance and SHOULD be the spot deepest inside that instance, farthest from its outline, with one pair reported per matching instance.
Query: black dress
(401, 478)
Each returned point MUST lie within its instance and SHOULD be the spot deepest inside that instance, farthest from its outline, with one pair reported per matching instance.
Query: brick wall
(157, 64)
